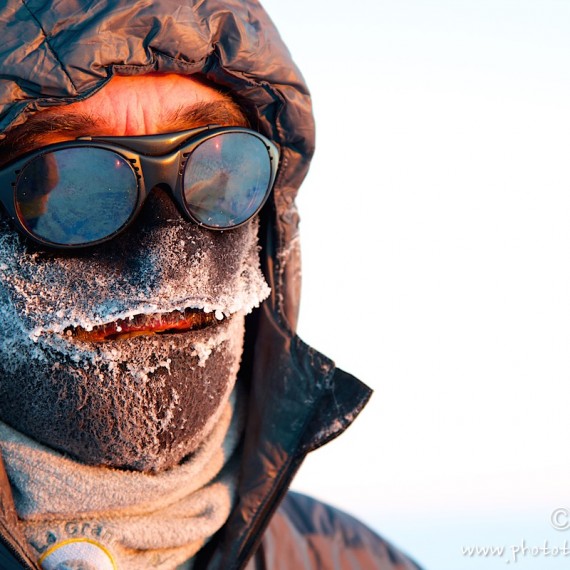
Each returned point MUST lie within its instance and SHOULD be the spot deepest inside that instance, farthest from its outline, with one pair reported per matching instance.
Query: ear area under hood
(55, 53)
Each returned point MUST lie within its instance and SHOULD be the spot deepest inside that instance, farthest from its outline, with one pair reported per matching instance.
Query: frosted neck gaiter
(80, 517)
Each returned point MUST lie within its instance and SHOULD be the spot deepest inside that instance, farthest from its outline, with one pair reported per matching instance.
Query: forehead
(146, 104)
(126, 106)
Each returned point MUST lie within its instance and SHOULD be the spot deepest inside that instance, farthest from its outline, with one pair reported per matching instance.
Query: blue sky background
(436, 245)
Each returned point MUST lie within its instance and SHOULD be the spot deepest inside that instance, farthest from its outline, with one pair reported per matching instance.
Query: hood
(58, 52)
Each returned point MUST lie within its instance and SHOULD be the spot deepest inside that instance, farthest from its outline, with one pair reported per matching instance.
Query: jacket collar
(301, 402)
(14, 549)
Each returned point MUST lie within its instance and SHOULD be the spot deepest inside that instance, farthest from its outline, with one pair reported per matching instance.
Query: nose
(161, 246)
(159, 209)
(133, 255)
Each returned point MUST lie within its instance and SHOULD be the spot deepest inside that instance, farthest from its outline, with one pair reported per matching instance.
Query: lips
(145, 325)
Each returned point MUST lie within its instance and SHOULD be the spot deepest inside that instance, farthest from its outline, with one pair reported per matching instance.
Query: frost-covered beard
(145, 402)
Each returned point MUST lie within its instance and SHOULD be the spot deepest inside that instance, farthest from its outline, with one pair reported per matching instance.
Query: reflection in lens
(76, 195)
(226, 179)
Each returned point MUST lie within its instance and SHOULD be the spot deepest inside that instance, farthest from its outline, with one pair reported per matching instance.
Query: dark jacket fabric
(58, 52)
(305, 534)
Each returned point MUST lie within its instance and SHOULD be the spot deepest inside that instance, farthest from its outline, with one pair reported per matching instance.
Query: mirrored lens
(226, 179)
(76, 195)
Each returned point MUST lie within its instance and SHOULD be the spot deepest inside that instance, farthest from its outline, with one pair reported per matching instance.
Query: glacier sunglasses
(86, 191)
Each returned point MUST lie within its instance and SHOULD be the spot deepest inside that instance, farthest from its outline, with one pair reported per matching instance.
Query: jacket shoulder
(306, 534)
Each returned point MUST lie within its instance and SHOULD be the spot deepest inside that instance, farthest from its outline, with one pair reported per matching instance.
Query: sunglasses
(86, 191)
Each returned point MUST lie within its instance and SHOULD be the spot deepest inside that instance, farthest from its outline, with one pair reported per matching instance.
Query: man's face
(144, 401)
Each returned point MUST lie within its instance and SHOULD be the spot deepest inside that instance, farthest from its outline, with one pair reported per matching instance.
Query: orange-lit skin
(140, 105)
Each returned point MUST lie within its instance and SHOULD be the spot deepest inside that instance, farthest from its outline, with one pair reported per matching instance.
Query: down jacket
(58, 52)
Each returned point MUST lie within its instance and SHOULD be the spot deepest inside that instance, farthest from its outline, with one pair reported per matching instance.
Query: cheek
(143, 403)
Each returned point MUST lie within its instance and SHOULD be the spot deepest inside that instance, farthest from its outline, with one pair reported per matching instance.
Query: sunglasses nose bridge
(160, 170)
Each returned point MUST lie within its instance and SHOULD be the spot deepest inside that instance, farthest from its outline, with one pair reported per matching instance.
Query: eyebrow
(39, 127)
(223, 112)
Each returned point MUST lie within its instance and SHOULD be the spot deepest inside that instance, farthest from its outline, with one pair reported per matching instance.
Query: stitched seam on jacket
(53, 52)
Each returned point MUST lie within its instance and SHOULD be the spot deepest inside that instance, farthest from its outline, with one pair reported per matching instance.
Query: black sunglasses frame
(156, 160)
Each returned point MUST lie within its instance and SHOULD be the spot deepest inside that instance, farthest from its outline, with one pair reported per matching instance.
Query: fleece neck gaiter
(80, 517)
